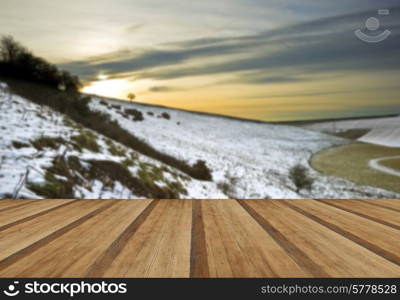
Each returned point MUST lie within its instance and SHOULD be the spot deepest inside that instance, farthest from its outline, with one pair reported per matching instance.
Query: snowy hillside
(381, 131)
(248, 159)
(45, 154)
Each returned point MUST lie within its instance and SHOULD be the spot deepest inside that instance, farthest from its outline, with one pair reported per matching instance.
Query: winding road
(374, 163)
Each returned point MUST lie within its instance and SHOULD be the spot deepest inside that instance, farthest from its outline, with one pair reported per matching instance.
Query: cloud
(311, 94)
(263, 77)
(133, 28)
(164, 89)
(317, 46)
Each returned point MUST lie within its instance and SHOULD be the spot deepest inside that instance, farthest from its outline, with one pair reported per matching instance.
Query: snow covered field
(247, 159)
(382, 131)
(22, 122)
(252, 159)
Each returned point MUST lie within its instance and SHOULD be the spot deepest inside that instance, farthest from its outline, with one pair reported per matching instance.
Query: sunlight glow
(117, 88)
(114, 88)
(102, 77)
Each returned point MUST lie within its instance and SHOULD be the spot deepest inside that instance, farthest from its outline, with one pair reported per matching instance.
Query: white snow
(251, 159)
(375, 164)
(382, 131)
(383, 136)
(256, 156)
(24, 121)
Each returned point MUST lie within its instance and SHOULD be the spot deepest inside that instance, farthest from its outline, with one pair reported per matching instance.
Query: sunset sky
(261, 59)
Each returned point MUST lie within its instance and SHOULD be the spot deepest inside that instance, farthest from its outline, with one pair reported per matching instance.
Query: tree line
(18, 62)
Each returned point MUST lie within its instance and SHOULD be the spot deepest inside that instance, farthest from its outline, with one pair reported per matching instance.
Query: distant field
(383, 131)
(392, 163)
(352, 134)
(351, 162)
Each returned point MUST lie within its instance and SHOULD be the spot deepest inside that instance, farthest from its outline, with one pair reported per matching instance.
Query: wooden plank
(161, 245)
(28, 211)
(103, 262)
(200, 238)
(71, 254)
(393, 204)
(299, 256)
(377, 214)
(10, 203)
(198, 255)
(335, 254)
(21, 236)
(237, 246)
(376, 237)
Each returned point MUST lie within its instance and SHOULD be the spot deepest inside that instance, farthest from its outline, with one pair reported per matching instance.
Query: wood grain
(105, 227)
(199, 238)
(377, 214)
(237, 246)
(299, 256)
(23, 213)
(17, 237)
(104, 261)
(392, 204)
(10, 203)
(161, 245)
(376, 237)
(198, 255)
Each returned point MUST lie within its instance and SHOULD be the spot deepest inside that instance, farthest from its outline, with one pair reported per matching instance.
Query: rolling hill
(383, 131)
(45, 153)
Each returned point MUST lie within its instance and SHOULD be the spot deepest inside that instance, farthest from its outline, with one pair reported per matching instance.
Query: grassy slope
(391, 163)
(69, 105)
(351, 162)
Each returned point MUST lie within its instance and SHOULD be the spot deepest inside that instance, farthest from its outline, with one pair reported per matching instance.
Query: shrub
(228, 187)
(19, 145)
(201, 170)
(299, 175)
(128, 163)
(48, 142)
(150, 113)
(81, 104)
(86, 140)
(165, 116)
(52, 189)
(137, 115)
(110, 172)
(115, 149)
(56, 188)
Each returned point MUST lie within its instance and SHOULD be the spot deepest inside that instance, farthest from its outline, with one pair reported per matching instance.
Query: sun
(117, 88)
(102, 77)
(113, 88)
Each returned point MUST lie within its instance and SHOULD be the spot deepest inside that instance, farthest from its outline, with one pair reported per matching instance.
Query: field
(383, 131)
(392, 163)
(119, 149)
(352, 162)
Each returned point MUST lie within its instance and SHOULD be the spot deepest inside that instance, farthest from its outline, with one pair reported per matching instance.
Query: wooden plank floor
(199, 238)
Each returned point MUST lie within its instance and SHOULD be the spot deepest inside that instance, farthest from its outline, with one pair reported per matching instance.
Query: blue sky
(271, 60)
